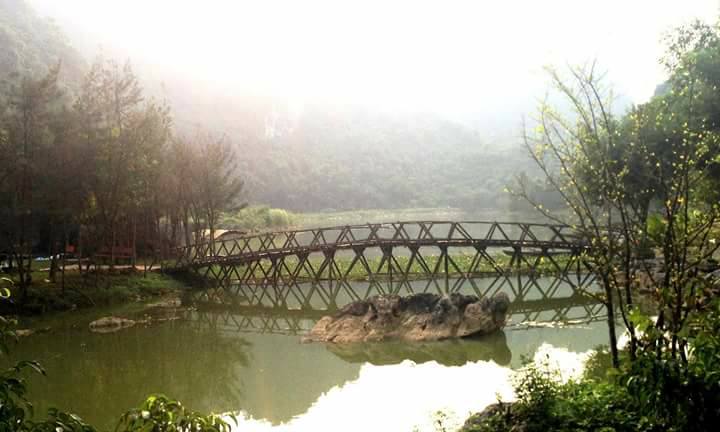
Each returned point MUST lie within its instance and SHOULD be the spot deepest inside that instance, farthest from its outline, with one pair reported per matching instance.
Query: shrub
(545, 404)
(277, 218)
(257, 218)
(160, 414)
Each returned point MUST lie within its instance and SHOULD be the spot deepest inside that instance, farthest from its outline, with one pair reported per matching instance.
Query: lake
(246, 355)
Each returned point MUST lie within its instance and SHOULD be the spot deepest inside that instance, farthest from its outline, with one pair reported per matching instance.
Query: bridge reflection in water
(294, 308)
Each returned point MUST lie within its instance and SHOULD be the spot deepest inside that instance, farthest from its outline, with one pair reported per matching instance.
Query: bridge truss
(398, 251)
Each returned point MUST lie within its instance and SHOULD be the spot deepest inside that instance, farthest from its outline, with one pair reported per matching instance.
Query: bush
(654, 392)
(158, 413)
(683, 392)
(277, 218)
(257, 218)
(545, 404)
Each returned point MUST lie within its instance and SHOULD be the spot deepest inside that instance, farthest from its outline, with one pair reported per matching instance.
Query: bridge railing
(407, 233)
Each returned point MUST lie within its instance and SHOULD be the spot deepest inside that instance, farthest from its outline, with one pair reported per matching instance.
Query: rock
(110, 324)
(354, 308)
(419, 317)
(500, 409)
(166, 303)
(419, 303)
(24, 332)
(30, 332)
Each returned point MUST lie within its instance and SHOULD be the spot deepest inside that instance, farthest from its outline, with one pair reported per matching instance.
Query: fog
(373, 104)
(480, 62)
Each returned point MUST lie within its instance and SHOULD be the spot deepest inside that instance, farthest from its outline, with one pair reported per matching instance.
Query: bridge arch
(398, 250)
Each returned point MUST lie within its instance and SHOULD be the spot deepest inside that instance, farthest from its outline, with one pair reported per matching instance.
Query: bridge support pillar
(387, 257)
(328, 263)
(444, 257)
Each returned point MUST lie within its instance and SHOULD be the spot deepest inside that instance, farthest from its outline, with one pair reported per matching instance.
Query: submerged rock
(30, 332)
(24, 332)
(110, 324)
(419, 317)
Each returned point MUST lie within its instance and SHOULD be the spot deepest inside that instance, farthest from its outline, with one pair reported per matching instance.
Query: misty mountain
(30, 45)
(352, 158)
(312, 157)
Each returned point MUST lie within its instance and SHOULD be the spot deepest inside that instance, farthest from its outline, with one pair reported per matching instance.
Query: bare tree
(571, 148)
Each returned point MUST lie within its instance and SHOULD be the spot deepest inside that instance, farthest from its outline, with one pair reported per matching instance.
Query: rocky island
(418, 317)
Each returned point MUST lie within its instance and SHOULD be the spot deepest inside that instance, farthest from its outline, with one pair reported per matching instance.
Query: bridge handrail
(381, 225)
(454, 233)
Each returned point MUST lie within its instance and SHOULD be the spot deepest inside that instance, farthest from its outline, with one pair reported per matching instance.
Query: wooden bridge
(385, 251)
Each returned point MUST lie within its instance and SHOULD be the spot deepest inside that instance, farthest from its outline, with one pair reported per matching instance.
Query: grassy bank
(356, 217)
(88, 290)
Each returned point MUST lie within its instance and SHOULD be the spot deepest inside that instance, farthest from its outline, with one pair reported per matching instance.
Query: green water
(229, 359)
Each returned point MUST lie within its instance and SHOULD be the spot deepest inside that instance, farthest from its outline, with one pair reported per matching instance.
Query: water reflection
(247, 355)
(408, 396)
(535, 300)
(330, 295)
(101, 375)
(449, 353)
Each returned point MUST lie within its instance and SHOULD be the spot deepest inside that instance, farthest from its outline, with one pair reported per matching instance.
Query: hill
(30, 45)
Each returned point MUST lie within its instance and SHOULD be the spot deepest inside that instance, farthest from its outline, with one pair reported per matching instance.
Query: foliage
(15, 409)
(575, 153)
(254, 218)
(204, 185)
(31, 45)
(544, 404)
(649, 393)
(644, 182)
(97, 170)
(683, 392)
(641, 184)
(160, 414)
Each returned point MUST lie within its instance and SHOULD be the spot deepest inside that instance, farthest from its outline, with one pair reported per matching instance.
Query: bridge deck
(285, 254)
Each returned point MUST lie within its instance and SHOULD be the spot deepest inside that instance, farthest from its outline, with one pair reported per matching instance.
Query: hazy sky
(442, 56)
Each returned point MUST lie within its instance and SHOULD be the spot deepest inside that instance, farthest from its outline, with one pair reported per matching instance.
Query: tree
(125, 139)
(571, 149)
(207, 183)
(641, 183)
(25, 140)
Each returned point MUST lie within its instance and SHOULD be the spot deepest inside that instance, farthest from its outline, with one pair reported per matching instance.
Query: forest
(92, 166)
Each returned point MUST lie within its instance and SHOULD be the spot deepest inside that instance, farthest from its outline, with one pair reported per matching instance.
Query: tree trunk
(134, 244)
(612, 336)
(53, 255)
(112, 247)
(64, 252)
